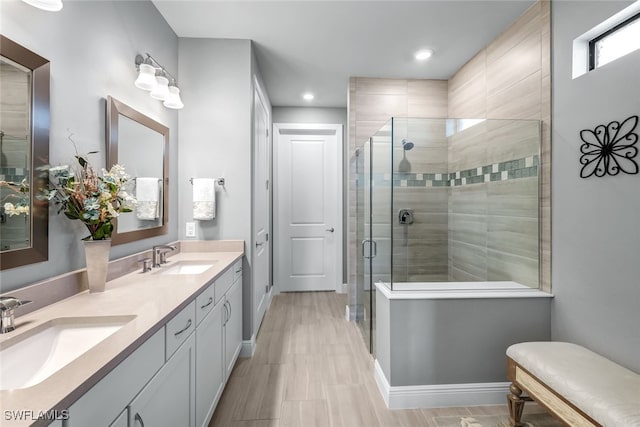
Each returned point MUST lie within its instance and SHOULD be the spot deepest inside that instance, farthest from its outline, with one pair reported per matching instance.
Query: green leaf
(82, 161)
(71, 215)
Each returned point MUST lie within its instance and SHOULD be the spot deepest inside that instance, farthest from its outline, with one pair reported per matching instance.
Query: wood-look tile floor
(312, 368)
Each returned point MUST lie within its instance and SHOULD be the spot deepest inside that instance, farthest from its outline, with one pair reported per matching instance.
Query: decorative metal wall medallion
(609, 149)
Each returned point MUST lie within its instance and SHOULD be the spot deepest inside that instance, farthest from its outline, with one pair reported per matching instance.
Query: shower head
(407, 145)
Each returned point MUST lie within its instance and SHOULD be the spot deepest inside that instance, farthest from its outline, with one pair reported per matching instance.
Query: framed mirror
(24, 155)
(141, 145)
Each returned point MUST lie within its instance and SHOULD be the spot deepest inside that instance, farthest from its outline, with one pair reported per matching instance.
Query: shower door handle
(364, 253)
(372, 252)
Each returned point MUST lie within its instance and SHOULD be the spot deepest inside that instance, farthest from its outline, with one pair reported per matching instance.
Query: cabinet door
(233, 326)
(209, 364)
(122, 420)
(169, 398)
(100, 405)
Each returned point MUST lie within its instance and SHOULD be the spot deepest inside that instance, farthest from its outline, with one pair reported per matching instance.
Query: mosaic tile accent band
(13, 174)
(511, 169)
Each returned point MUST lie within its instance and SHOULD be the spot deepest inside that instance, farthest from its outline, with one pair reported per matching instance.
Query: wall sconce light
(49, 5)
(154, 78)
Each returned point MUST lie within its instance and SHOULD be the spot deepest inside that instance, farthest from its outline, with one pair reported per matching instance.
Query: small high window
(615, 42)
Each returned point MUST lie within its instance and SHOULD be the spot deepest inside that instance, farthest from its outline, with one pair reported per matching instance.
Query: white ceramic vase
(97, 255)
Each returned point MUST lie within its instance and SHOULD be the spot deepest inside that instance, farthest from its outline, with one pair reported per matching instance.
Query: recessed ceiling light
(308, 96)
(423, 54)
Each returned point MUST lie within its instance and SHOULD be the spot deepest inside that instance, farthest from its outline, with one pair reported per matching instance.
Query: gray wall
(92, 46)
(215, 141)
(310, 115)
(318, 115)
(596, 236)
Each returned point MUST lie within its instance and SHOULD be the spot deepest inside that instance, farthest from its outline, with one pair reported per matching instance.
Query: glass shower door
(363, 239)
(374, 194)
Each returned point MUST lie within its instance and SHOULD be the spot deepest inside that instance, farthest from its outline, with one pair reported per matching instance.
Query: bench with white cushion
(576, 385)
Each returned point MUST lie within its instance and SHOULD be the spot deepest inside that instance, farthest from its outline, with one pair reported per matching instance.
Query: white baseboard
(440, 395)
(248, 347)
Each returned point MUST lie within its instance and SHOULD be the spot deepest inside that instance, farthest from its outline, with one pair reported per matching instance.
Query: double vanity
(155, 349)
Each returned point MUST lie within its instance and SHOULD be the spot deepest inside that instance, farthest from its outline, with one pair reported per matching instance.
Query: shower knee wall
(451, 352)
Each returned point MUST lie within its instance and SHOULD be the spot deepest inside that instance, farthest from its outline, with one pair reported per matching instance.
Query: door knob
(331, 230)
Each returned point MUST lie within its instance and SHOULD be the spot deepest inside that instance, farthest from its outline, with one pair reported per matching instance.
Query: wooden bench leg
(516, 405)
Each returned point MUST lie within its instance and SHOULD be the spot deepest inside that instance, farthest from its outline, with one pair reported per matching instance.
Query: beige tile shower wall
(511, 79)
(372, 102)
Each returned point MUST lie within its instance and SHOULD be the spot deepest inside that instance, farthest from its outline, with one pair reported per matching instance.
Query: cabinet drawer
(237, 270)
(205, 302)
(223, 283)
(179, 328)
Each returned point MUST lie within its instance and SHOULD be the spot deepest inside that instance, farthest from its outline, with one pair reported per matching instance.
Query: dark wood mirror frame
(116, 108)
(39, 232)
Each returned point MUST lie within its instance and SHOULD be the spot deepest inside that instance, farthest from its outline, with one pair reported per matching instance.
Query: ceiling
(315, 46)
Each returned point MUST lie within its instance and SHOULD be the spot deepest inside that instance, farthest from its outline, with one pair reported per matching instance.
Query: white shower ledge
(459, 290)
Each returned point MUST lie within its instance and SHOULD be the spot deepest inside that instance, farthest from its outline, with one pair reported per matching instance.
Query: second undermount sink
(29, 360)
(187, 267)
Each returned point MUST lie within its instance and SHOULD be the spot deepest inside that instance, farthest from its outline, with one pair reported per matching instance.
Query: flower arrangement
(19, 195)
(95, 200)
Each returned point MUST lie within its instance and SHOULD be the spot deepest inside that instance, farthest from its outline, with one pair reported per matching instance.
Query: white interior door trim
(310, 129)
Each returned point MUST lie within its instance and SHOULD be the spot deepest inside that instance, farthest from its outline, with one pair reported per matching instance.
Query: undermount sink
(27, 361)
(187, 267)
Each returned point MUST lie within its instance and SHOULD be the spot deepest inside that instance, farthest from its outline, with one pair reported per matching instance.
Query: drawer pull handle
(138, 418)
(239, 271)
(183, 329)
(208, 303)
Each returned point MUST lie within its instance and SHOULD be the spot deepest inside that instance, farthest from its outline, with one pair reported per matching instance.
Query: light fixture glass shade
(161, 90)
(173, 100)
(49, 5)
(146, 78)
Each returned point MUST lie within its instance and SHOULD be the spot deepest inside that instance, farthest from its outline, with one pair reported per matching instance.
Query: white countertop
(152, 298)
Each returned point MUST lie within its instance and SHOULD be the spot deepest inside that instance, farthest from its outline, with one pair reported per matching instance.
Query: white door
(308, 202)
(261, 211)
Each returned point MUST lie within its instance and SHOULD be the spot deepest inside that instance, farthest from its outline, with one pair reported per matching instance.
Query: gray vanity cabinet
(168, 400)
(105, 402)
(209, 363)
(122, 420)
(177, 376)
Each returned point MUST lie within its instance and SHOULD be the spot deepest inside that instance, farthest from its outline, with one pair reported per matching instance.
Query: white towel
(148, 196)
(204, 198)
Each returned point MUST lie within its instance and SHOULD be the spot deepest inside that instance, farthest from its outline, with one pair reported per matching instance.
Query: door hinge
(267, 133)
(267, 184)
(266, 237)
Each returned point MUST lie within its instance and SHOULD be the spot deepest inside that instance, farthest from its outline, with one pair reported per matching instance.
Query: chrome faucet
(160, 256)
(7, 307)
